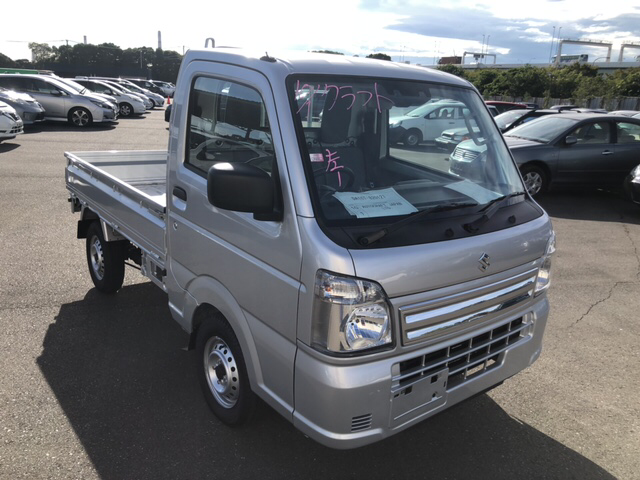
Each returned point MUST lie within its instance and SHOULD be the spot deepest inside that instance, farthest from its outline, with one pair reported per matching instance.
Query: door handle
(180, 193)
(607, 152)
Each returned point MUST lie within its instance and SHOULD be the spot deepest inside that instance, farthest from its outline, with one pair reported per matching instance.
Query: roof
(279, 66)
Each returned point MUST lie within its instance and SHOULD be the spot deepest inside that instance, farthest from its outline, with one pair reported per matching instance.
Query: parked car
(588, 110)
(493, 110)
(148, 85)
(427, 122)
(128, 104)
(167, 113)
(156, 99)
(10, 123)
(504, 106)
(632, 185)
(572, 149)
(167, 87)
(514, 118)
(505, 121)
(61, 102)
(83, 90)
(148, 104)
(27, 108)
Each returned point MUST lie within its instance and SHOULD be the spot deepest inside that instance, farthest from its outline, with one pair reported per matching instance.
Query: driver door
(229, 118)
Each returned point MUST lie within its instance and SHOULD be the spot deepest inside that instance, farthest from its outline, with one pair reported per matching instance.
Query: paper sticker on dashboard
(375, 203)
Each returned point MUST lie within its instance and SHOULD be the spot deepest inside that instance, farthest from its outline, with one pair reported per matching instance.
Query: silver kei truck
(356, 286)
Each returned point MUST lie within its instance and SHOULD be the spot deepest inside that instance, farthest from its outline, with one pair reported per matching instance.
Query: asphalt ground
(96, 386)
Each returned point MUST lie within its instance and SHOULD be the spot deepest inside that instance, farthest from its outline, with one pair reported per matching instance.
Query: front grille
(16, 129)
(448, 315)
(464, 360)
(464, 155)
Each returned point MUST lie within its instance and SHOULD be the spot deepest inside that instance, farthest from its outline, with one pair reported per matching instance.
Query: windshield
(507, 118)
(543, 129)
(363, 168)
(76, 86)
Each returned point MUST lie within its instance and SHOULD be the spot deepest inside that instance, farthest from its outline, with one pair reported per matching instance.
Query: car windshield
(507, 118)
(357, 168)
(543, 129)
(76, 86)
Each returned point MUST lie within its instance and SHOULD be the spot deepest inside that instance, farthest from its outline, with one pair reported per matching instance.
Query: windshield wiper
(489, 210)
(374, 237)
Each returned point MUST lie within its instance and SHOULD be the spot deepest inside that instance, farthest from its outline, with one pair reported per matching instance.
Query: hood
(421, 268)
(13, 95)
(515, 142)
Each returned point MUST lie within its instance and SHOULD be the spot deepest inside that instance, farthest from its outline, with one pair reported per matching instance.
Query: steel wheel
(222, 372)
(80, 117)
(96, 257)
(105, 260)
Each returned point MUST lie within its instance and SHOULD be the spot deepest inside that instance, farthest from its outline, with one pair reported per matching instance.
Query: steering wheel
(346, 183)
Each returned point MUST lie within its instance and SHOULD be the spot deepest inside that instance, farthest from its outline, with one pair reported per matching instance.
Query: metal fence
(610, 104)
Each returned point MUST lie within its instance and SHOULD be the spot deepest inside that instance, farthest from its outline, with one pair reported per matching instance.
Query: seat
(339, 150)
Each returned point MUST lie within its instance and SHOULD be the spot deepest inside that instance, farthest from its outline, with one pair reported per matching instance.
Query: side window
(227, 122)
(589, 133)
(628, 132)
(40, 86)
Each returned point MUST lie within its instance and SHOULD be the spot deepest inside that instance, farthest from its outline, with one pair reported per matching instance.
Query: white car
(427, 122)
(10, 123)
(127, 103)
(168, 88)
(158, 100)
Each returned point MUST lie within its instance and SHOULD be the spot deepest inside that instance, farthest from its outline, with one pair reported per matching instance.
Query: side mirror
(56, 93)
(241, 187)
(570, 140)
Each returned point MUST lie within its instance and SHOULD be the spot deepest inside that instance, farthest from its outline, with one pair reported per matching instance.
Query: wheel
(412, 138)
(222, 372)
(126, 110)
(535, 179)
(153, 103)
(105, 260)
(80, 117)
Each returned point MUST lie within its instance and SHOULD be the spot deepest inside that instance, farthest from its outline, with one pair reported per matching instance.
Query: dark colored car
(572, 149)
(167, 112)
(514, 118)
(578, 149)
(504, 106)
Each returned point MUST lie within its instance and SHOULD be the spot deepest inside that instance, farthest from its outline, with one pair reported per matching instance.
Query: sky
(417, 31)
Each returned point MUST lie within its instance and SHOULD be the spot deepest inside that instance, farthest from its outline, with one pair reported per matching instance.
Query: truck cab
(356, 286)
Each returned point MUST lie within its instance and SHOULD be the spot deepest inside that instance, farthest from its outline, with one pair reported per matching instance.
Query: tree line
(91, 59)
(577, 81)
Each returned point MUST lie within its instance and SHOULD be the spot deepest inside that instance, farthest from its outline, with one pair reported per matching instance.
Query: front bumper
(348, 406)
(632, 189)
(446, 143)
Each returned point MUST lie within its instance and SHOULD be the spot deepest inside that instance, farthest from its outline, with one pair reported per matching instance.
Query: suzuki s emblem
(484, 262)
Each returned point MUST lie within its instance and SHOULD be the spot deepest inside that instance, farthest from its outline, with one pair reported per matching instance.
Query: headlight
(100, 104)
(635, 173)
(544, 274)
(461, 137)
(396, 124)
(349, 314)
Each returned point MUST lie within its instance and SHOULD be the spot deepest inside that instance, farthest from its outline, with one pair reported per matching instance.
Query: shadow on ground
(8, 145)
(117, 368)
(67, 127)
(590, 204)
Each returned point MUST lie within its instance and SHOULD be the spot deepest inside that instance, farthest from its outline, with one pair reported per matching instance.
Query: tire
(153, 103)
(222, 372)
(412, 138)
(126, 110)
(535, 179)
(80, 117)
(105, 260)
